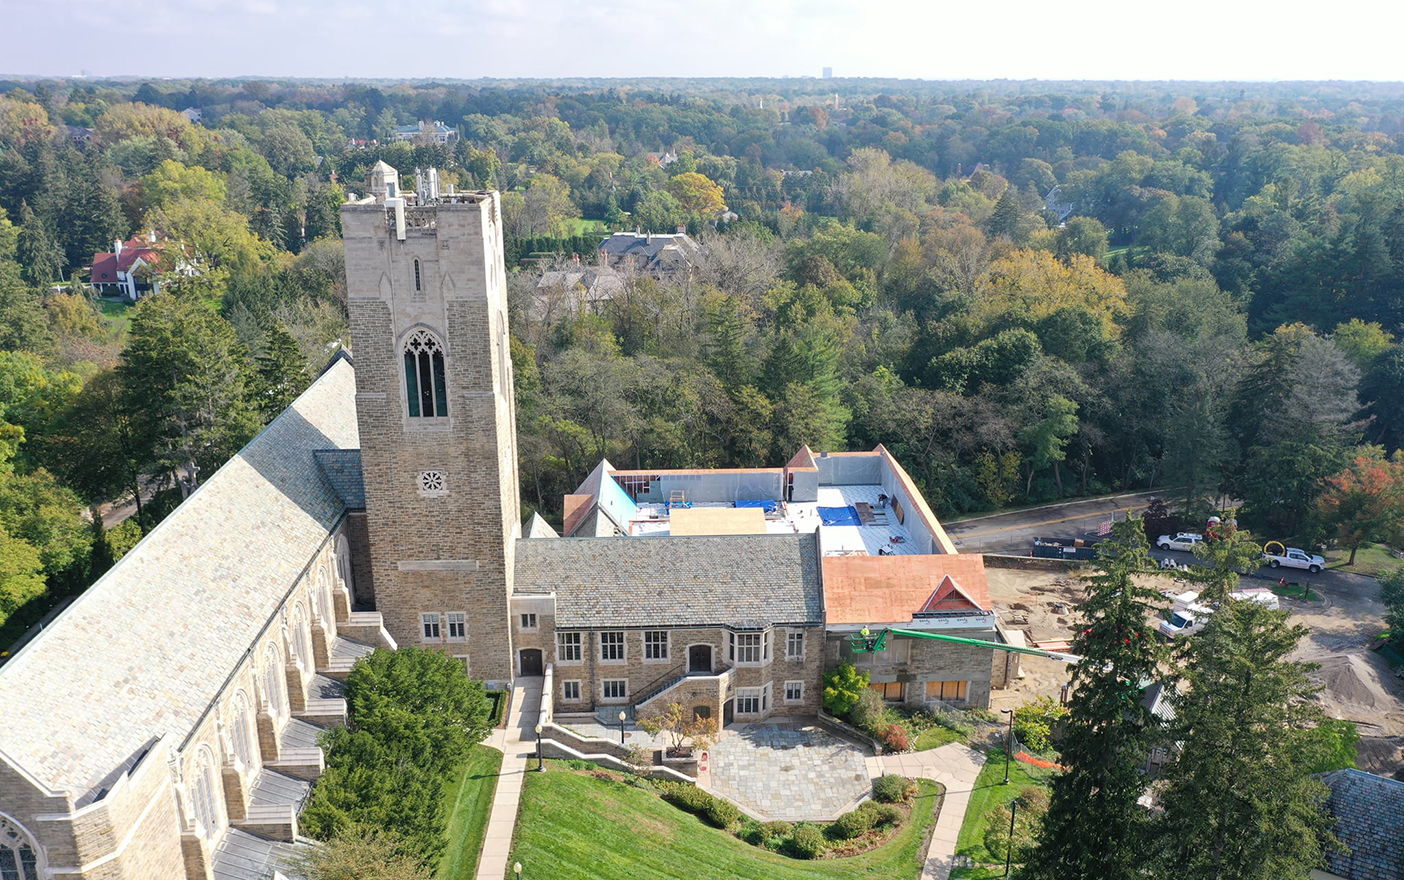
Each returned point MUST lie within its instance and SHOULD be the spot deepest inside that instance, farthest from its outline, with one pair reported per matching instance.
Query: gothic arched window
(204, 792)
(273, 682)
(241, 723)
(424, 376)
(18, 858)
(416, 276)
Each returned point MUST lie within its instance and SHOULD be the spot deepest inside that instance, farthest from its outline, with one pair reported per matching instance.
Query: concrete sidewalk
(956, 767)
(518, 746)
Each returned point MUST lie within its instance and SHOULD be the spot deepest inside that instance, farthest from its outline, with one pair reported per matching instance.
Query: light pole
(539, 765)
(1008, 743)
(518, 868)
(622, 716)
(1008, 853)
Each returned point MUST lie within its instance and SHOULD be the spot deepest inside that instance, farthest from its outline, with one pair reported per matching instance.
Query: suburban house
(1369, 813)
(138, 267)
(662, 256)
(576, 290)
(434, 131)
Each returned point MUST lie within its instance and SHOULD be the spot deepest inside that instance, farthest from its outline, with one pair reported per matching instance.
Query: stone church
(165, 725)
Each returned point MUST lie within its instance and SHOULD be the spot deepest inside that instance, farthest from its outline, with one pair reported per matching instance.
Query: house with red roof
(137, 267)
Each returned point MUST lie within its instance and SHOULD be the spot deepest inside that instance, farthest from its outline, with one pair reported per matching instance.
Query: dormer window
(425, 385)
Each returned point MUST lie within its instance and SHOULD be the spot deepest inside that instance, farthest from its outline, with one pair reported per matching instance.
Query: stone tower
(427, 297)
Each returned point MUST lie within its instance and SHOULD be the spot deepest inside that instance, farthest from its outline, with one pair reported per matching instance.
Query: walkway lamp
(622, 716)
(518, 868)
(539, 765)
(1008, 743)
(1008, 852)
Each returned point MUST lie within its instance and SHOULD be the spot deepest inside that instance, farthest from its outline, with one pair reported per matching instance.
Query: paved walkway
(517, 744)
(789, 771)
(956, 767)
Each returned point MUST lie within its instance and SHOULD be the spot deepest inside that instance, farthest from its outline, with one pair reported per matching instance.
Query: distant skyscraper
(828, 73)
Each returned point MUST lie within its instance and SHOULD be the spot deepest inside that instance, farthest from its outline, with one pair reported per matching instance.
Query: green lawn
(469, 803)
(581, 226)
(990, 791)
(115, 316)
(1293, 590)
(1372, 560)
(935, 736)
(577, 827)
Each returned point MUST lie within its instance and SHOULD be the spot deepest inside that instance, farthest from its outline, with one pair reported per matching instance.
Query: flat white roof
(796, 517)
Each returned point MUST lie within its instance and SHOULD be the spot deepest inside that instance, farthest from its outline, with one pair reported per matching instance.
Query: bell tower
(426, 290)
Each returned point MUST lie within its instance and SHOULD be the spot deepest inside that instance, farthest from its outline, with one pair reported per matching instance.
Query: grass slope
(1371, 560)
(469, 802)
(990, 791)
(577, 827)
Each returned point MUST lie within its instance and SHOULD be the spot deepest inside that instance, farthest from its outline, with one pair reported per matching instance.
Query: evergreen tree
(1094, 829)
(281, 371)
(186, 379)
(1240, 801)
(40, 258)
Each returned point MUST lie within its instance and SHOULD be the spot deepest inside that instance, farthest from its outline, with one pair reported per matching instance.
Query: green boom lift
(864, 642)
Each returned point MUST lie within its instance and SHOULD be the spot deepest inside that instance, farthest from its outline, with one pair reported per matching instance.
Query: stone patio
(789, 771)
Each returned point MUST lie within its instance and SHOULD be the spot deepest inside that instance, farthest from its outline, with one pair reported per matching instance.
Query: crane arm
(864, 642)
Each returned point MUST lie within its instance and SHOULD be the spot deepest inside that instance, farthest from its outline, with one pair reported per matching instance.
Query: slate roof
(342, 469)
(538, 528)
(742, 581)
(1369, 813)
(649, 249)
(133, 658)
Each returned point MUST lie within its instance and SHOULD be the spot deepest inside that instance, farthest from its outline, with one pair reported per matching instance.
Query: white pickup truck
(1291, 557)
(1188, 617)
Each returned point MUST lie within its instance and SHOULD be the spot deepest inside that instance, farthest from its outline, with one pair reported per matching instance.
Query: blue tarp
(763, 504)
(839, 516)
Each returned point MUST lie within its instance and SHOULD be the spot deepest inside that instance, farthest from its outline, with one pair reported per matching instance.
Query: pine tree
(40, 258)
(281, 371)
(1094, 829)
(1240, 801)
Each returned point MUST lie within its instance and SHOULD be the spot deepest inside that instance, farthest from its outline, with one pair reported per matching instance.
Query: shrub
(1035, 799)
(806, 842)
(1033, 723)
(885, 814)
(777, 829)
(891, 789)
(842, 688)
(852, 824)
(721, 813)
(895, 738)
(687, 797)
(752, 832)
(867, 712)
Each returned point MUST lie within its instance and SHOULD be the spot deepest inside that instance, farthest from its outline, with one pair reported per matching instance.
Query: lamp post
(1008, 852)
(539, 765)
(622, 716)
(1008, 743)
(518, 868)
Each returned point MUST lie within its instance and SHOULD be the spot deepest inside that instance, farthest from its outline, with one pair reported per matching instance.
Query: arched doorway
(530, 661)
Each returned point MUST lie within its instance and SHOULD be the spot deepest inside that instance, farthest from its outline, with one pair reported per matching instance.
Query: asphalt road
(1014, 532)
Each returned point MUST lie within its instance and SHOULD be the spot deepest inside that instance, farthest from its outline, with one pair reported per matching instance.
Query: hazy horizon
(1200, 41)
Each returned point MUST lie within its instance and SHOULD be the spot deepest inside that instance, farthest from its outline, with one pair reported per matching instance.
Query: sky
(921, 39)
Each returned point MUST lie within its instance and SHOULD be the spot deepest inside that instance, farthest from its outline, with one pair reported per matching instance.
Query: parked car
(1291, 557)
(1180, 541)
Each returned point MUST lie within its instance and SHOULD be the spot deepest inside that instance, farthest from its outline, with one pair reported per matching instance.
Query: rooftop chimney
(682, 228)
(117, 247)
